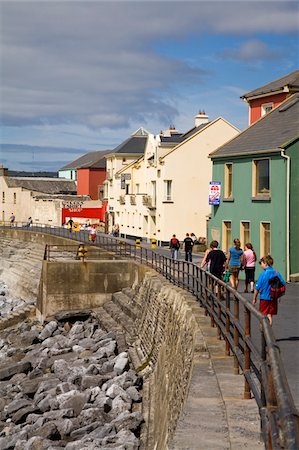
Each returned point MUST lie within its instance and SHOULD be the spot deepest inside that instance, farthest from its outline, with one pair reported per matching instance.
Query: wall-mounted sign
(214, 193)
(72, 204)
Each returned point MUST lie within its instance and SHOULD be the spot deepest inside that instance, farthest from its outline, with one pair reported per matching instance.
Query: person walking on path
(12, 219)
(204, 263)
(188, 245)
(70, 224)
(216, 259)
(174, 246)
(268, 305)
(29, 223)
(234, 263)
(248, 262)
(92, 234)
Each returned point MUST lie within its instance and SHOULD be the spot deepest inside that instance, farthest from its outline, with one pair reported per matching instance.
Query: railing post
(247, 326)
(236, 333)
(227, 322)
(219, 311)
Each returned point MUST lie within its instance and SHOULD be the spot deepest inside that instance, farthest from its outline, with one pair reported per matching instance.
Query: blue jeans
(174, 253)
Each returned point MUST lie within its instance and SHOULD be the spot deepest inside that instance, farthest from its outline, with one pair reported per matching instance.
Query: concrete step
(120, 317)
(126, 304)
(109, 324)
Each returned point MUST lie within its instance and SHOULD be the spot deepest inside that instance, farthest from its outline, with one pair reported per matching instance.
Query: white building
(165, 189)
(39, 198)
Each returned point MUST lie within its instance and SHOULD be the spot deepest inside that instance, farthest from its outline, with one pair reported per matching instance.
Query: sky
(79, 76)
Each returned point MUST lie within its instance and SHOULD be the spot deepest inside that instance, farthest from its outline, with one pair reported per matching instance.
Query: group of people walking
(188, 243)
(216, 262)
(228, 267)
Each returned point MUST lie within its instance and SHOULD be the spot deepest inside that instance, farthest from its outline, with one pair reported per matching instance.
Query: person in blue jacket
(268, 305)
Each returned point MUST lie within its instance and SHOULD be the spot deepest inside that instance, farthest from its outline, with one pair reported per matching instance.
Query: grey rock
(47, 431)
(15, 405)
(72, 316)
(21, 415)
(65, 427)
(9, 370)
(48, 330)
(75, 402)
(134, 394)
(128, 421)
(120, 364)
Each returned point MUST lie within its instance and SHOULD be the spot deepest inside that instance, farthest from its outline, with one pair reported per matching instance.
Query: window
(14, 198)
(167, 190)
(127, 188)
(265, 238)
(261, 177)
(228, 181)
(227, 235)
(266, 108)
(244, 233)
(137, 188)
(3, 197)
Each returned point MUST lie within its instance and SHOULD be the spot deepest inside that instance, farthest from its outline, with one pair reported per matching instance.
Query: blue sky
(80, 76)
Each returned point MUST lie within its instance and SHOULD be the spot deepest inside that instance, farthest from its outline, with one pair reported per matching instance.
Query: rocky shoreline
(65, 385)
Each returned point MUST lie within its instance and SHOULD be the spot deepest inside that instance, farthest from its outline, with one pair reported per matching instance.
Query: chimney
(3, 171)
(201, 118)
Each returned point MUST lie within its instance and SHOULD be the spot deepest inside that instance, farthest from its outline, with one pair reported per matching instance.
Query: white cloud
(252, 50)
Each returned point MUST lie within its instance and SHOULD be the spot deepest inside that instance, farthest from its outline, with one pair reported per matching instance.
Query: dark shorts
(234, 269)
(268, 307)
(249, 274)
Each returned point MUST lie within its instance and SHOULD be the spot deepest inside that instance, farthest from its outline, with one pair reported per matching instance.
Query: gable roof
(268, 134)
(134, 144)
(43, 185)
(94, 159)
(287, 83)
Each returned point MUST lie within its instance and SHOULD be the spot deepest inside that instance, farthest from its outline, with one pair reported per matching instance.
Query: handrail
(235, 319)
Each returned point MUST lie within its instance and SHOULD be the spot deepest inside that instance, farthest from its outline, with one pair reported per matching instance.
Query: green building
(259, 175)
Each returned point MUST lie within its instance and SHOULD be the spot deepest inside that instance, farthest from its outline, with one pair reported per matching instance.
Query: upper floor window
(266, 108)
(137, 187)
(228, 180)
(168, 190)
(14, 198)
(3, 197)
(127, 188)
(261, 177)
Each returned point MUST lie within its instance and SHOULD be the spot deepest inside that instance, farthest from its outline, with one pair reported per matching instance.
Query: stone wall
(167, 335)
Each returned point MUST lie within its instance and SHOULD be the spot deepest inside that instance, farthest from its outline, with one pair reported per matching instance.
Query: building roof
(268, 134)
(287, 83)
(43, 185)
(134, 144)
(95, 160)
(193, 130)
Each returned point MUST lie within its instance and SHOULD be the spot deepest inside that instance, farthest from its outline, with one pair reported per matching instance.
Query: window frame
(264, 108)
(228, 180)
(226, 241)
(167, 191)
(243, 232)
(263, 238)
(255, 193)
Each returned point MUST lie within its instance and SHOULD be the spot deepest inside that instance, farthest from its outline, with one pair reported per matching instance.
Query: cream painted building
(165, 190)
(39, 198)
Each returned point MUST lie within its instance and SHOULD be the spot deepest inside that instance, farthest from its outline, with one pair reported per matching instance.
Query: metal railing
(247, 334)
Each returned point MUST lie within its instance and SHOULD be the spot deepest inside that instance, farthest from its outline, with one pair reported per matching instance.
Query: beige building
(39, 198)
(165, 190)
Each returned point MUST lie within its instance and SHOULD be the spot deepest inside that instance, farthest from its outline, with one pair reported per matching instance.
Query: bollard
(82, 252)
(137, 243)
(154, 243)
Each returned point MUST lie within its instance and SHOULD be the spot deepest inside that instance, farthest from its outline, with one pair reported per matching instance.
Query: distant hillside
(16, 173)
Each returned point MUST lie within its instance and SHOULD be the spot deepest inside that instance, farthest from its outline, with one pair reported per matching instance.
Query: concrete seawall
(191, 399)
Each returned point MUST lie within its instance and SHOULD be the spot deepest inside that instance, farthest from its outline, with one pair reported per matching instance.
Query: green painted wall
(243, 208)
(293, 152)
